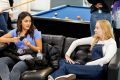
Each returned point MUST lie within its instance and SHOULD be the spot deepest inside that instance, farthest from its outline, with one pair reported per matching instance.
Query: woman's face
(26, 23)
(98, 31)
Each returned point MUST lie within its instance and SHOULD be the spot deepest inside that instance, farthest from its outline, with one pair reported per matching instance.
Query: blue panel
(67, 11)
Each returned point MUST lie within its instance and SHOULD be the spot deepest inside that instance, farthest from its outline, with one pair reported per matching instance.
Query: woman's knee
(2, 65)
(6, 60)
(20, 66)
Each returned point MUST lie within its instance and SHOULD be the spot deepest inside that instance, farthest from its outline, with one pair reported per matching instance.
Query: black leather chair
(43, 73)
(113, 72)
(114, 67)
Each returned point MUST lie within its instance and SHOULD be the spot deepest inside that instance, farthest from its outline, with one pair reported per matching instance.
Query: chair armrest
(114, 66)
(2, 46)
(36, 74)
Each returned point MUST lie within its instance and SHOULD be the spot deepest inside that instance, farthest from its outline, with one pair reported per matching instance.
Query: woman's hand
(69, 60)
(1, 10)
(10, 13)
(27, 43)
(15, 39)
(88, 63)
(99, 5)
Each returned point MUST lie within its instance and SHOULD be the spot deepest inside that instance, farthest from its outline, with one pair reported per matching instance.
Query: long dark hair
(21, 16)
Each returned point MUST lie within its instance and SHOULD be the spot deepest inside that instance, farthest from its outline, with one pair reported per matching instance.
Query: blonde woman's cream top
(109, 49)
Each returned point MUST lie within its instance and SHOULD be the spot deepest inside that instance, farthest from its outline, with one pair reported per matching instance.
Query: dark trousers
(98, 16)
(81, 71)
(16, 71)
(3, 21)
(4, 69)
(117, 36)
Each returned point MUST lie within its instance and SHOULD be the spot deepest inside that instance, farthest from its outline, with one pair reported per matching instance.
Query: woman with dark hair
(31, 40)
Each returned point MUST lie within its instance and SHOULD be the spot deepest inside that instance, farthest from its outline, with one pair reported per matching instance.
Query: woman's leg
(3, 22)
(6, 14)
(93, 22)
(90, 71)
(79, 70)
(4, 69)
(60, 72)
(18, 68)
(7, 60)
(62, 62)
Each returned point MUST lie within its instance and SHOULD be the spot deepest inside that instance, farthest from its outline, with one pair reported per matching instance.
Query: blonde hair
(107, 31)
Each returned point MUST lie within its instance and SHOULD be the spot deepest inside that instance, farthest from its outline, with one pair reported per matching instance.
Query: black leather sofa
(63, 44)
(41, 74)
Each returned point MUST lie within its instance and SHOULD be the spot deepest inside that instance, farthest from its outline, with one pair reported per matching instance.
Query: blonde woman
(103, 48)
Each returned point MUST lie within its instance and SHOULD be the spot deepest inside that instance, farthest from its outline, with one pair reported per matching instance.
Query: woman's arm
(82, 41)
(75, 43)
(38, 42)
(35, 48)
(4, 5)
(8, 38)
